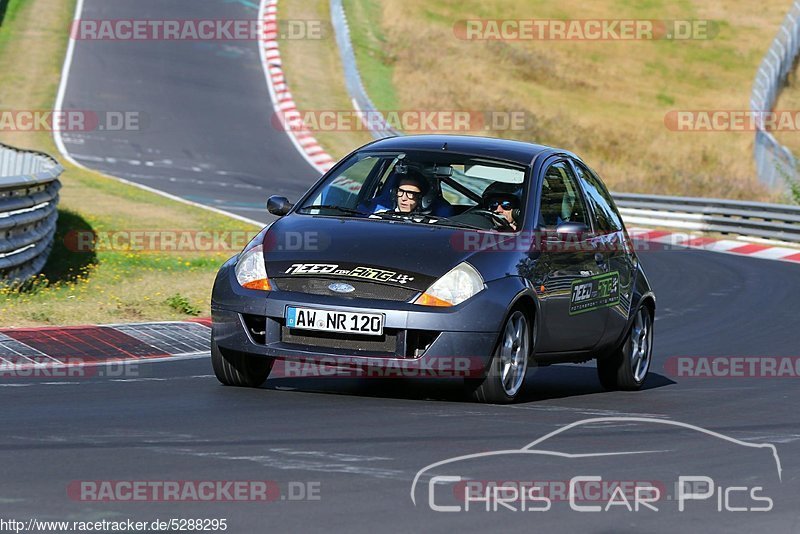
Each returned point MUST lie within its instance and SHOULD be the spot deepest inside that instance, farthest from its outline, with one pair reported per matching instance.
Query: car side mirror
(278, 205)
(569, 231)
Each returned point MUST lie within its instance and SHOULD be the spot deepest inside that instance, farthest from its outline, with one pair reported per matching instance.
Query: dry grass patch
(605, 100)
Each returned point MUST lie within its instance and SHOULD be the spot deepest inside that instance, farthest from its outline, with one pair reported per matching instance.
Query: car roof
(488, 147)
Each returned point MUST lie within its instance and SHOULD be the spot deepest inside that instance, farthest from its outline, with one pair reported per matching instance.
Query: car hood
(397, 253)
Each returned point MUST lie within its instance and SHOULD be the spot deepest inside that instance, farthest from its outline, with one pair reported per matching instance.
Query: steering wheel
(498, 221)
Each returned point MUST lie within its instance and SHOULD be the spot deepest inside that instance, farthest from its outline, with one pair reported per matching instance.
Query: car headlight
(251, 273)
(461, 283)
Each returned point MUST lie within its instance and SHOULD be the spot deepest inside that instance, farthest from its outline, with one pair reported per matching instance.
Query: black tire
(238, 369)
(623, 369)
(492, 389)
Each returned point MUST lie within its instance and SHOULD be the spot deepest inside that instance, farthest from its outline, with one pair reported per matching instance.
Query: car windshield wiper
(340, 209)
(452, 222)
(391, 215)
(423, 217)
(417, 218)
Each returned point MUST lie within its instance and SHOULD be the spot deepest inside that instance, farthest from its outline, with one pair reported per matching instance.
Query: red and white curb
(23, 348)
(666, 239)
(287, 117)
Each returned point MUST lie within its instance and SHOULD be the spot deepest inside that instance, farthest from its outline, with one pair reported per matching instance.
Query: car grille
(364, 290)
(387, 343)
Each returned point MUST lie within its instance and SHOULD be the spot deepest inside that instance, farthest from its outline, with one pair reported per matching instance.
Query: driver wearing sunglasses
(505, 206)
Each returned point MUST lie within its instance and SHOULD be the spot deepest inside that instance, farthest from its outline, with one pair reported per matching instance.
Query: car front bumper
(416, 337)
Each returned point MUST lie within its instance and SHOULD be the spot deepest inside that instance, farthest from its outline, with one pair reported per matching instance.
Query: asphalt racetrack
(357, 444)
(343, 454)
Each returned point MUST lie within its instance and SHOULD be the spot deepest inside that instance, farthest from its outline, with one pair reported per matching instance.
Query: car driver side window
(561, 199)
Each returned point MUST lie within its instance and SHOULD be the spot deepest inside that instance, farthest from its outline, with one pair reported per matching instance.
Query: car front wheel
(504, 382)
(238, 369)
(627, 367)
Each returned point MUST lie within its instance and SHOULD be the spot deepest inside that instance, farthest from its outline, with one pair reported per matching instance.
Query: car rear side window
(561, 198)
(608, 219)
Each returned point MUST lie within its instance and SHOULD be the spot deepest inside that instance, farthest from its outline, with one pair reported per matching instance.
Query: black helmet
(505, 191)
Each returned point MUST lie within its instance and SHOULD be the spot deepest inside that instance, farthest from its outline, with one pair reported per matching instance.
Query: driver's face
(407, 197)
(504, 207)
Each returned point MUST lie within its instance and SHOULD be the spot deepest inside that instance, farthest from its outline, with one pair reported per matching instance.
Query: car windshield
(420, 187)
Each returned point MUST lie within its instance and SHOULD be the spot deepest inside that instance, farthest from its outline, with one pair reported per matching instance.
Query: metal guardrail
(751, 219)
(775, 163)
(355, 86)
(29, 188)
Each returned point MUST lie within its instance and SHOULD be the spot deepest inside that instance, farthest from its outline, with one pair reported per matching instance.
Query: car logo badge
(341, 287)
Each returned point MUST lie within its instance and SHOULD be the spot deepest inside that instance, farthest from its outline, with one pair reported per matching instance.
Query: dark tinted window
(608, 219)
(561, 198)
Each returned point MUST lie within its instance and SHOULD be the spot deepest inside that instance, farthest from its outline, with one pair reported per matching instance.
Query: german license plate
(369, 324)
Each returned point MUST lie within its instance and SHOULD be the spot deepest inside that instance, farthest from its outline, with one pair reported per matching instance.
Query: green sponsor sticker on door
(589, 294)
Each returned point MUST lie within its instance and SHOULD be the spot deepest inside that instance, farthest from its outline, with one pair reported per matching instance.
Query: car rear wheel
(504, 382)
(238, 369)
(627, 368)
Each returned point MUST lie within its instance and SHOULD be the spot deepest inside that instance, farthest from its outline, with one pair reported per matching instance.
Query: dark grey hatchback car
(490, 255)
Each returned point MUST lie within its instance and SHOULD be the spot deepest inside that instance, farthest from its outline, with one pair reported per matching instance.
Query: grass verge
(114, 283)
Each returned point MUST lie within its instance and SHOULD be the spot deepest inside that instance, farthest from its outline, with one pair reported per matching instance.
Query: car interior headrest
(431, 194)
